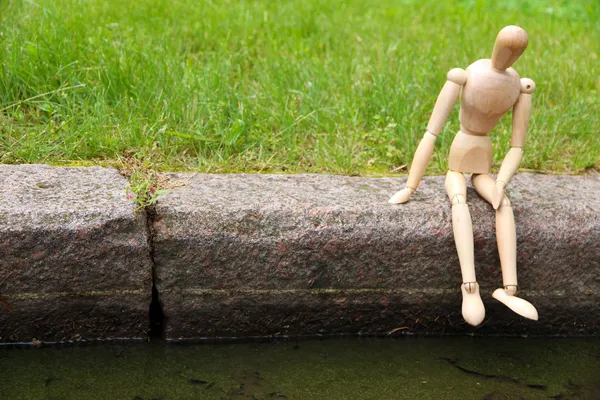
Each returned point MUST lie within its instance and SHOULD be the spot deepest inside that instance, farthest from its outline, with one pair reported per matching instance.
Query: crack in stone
(156, 315)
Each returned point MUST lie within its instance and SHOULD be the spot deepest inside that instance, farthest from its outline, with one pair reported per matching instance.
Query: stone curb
(281, 255)
(74, 256)
(259, 255)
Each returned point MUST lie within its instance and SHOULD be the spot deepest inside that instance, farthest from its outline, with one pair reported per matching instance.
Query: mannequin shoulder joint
(458, 76)
(527, 86)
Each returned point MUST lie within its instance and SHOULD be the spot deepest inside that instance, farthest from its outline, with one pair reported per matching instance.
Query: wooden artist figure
(488, 89)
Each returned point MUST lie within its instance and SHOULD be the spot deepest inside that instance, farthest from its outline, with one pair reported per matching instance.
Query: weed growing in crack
(146, 184)
(145, 193)
(143, 179)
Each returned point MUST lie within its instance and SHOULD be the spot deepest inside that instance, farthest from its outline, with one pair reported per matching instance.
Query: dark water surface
(352, 368)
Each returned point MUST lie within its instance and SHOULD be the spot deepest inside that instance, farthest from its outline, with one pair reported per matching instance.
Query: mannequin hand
(401, 196)
(497, 194)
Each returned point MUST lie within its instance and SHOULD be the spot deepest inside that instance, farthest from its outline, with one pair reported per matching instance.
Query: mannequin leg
(472, 307)
(506, 237)
(506, 232)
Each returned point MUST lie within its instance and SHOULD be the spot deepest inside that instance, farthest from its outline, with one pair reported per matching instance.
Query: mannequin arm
(442, 109)
(510, 165)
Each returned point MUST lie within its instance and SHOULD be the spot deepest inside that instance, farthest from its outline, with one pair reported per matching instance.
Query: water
(352, 368)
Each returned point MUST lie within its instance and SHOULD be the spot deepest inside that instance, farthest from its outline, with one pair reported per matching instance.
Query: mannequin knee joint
(505, 202)
(459, 199)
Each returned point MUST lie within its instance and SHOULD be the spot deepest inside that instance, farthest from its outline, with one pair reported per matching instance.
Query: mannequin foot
(473, 310)
(518, 305)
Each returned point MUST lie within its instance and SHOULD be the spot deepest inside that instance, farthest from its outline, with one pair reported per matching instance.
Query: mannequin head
(511, 42)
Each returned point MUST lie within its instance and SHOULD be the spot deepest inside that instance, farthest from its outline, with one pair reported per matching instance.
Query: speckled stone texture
(74, 256)
(259, 255)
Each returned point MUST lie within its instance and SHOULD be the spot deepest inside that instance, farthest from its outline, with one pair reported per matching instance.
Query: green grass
(272, 86)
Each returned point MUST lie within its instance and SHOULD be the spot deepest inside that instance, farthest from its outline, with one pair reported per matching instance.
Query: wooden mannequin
(488, 88)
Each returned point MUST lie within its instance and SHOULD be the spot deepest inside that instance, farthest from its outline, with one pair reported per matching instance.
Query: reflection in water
(402, 368)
